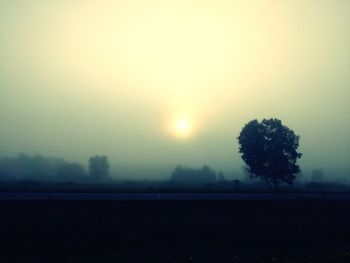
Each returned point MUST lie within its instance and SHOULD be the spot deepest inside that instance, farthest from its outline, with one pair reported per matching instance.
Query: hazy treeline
(28, 171)
(48, 169)
(190, 175)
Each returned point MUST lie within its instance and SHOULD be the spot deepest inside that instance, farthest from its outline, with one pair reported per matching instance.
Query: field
(175, 231)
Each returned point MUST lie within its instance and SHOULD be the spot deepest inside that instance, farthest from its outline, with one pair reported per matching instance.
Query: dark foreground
(303, 230)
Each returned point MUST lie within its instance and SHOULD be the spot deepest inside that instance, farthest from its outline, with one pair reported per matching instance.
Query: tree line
(41, 168)
(268, 148)
(191, 175)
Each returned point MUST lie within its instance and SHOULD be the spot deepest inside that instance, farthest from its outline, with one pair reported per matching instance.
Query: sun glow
(183, 129)
(180, 128)
(182, 125)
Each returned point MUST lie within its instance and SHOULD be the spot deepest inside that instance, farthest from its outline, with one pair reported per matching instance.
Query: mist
(152, 84)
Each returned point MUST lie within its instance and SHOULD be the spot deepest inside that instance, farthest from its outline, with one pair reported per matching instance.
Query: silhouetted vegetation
(236, 185)
(36, 170)
(269, 149)
(189, 175)
(25, 173)
(72, 171)
(37, 167)
(99, 167)
(317, 175)
(220, 177)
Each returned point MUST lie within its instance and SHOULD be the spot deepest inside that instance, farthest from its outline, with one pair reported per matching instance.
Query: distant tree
(236, 184)
(206, 174)
(269, 150)
(317, 175)
(24, 166)
(71, 172)
(40, 165)
(99, 167)
(220, 177)
(189, 175)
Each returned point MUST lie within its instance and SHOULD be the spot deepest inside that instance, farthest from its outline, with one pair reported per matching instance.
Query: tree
(317, 175)
(206, 174)
(71, 172)
(221, 177)
(269, 150)
(190, 175)
(35, 167)
(99, 167)
(236, 184)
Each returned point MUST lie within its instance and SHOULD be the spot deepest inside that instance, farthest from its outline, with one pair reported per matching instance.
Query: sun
(182, 125)
(181, 128)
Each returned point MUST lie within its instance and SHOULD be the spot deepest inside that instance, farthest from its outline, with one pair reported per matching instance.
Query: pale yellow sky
(167, 82)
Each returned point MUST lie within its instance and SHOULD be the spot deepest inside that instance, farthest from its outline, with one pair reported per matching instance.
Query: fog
(153, 84)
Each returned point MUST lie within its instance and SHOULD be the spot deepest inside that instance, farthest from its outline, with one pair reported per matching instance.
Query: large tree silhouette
(269, 150)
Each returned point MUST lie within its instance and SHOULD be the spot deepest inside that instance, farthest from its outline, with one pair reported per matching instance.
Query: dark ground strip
(175, 231)
(171, 196)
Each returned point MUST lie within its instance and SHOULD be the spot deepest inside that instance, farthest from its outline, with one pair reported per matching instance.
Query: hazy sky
(157, 83)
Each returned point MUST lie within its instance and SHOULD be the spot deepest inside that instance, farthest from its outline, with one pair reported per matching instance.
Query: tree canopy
(269, 150)
(99, 167)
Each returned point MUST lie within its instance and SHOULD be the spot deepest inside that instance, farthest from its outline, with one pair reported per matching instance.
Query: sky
(152, 84)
